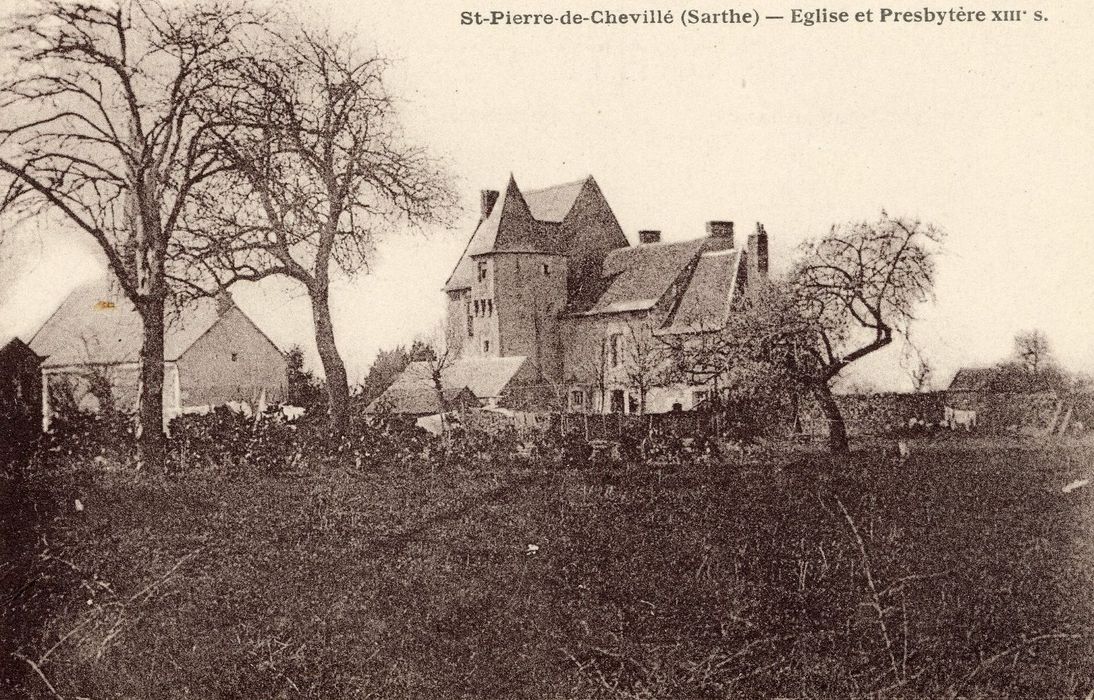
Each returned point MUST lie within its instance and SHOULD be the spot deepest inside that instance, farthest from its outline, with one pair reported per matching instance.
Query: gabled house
(213, 354)
(549, 277)
(20, 381)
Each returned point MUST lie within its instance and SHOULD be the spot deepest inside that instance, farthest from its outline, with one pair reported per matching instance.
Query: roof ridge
(579, 181)
(716, 253)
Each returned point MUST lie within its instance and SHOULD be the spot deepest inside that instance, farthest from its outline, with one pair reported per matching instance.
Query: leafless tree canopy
(1033, 350)
(862, 283)
(101, 119)
(319, 173)
(846, 297)
(102, 123)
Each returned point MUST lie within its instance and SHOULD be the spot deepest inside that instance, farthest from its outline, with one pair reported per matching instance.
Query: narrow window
(615, 346)
(486, 346)
(482, 270)
(489, 307)
(546, 269)
(476, 307)
(577, 398)
(470, 322)
(235, 356)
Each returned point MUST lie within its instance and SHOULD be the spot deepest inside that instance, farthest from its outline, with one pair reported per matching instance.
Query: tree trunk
(333, 367)
(151, 445)
(837, 429)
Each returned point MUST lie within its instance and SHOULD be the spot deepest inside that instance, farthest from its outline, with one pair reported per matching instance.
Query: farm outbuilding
(1001, 398)
(466, 383)
(20, 381)
(214, 353)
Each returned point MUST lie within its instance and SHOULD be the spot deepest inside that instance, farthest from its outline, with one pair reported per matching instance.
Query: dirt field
(964, 571)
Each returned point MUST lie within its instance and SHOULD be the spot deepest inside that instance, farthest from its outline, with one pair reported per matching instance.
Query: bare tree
(846, 297)
(853, 290)
(1033, 350)
(100, 124)
(917, 366)
(592, 369)
(644, 359)
(319, 172)
(705, 355)
(754, 361)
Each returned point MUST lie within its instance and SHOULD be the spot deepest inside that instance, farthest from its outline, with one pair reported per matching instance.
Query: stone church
(551, 293)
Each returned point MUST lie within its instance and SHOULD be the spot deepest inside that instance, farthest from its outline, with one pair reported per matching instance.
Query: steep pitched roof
(97, 324)
(708, 297)
(413, 390)
(519, 222)
(554, 203)
(518, 230)
(638, 276)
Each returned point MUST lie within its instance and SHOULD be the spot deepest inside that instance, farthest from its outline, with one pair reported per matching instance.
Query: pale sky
(984, 130)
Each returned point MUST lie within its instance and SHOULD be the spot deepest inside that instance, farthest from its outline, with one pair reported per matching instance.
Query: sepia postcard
(546, 349)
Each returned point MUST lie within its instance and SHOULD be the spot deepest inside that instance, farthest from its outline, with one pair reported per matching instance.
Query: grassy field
(963, 572)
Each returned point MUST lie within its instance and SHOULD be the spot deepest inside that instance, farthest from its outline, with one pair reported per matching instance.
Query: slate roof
(420, 399)
(519, 222)
(554, 203)
(97, 324)
(413, 390)
(638, 276)
(707, 299)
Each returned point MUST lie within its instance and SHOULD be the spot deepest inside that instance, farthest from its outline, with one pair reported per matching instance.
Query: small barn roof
(972, 379)
(97, 324)
(413, 390)
(1000, 380)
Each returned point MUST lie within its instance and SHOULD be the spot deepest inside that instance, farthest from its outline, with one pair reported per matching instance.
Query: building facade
(213, 352)
(549, 276)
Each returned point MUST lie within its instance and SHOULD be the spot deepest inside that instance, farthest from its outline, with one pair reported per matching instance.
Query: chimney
(487, 200)
(645, 237)
(722, 230)
(757, 252)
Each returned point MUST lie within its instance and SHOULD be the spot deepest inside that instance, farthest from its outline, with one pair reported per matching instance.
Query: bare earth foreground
(964, 571)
